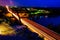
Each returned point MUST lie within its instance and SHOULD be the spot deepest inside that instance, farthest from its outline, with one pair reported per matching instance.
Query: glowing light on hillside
(5, 29)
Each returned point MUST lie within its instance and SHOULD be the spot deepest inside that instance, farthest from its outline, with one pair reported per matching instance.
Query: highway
(42, 31)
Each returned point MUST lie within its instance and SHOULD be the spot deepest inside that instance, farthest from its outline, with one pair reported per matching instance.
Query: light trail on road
(44, 32)
(14, 14)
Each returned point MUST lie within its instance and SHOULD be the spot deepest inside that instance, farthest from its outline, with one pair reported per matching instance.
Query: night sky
(35, 3)
(31, 3)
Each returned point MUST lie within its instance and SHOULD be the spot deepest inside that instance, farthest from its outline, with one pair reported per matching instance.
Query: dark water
(22, 34)
(51, 22)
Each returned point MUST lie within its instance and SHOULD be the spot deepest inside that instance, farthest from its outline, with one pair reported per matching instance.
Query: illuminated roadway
(42, 31)
(37, 28)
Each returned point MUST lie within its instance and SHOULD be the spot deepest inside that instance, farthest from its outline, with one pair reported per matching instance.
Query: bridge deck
(41, 30)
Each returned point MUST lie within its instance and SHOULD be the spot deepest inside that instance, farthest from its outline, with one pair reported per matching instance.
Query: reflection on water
(6, 29)
(51, 22)
(46, 20)
(16, 32)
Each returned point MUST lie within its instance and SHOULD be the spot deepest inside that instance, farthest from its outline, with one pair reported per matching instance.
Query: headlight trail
(9, 10)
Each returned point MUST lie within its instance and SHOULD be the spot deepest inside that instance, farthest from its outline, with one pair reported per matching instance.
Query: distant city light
(40, 12)
(46, 16)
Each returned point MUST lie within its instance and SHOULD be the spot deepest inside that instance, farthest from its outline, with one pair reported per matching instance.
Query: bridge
(42, 31)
